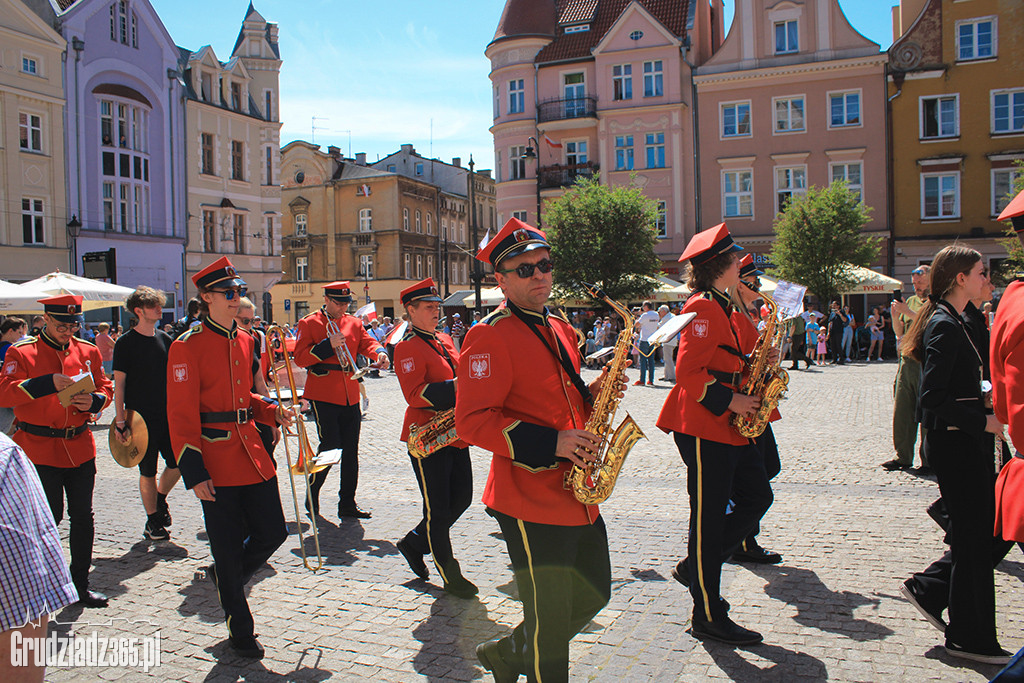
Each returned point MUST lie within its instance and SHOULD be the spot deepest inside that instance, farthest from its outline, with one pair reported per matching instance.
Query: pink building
(793, 98)
(582, 86)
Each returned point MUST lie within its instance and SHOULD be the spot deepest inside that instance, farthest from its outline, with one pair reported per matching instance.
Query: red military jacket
(513, 399)
(210, 370)
(427, 379)
(325, 380)
(1006, 360)
(748, 334)
(698, 404)
(26, 385)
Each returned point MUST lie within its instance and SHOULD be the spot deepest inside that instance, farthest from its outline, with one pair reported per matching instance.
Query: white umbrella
(95, 293)
(19, 298)
(867, 281)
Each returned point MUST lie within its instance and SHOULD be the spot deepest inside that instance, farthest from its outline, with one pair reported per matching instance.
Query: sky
(414, 72)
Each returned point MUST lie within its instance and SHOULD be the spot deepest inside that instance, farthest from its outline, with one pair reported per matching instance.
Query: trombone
(348, 363)
(305, 464)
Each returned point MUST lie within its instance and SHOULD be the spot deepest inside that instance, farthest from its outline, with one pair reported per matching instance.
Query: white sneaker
(366, 404)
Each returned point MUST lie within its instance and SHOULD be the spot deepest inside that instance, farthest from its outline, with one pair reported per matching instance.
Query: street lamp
(364, 272)
(74, 230)
(531, 152)
(477, 272)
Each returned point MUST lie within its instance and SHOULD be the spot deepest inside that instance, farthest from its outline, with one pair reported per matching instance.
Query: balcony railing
(364, 239)
(563, 176)
(573, 108)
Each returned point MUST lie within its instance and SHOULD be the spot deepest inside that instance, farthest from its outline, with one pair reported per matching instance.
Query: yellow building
(232, 114)
(956, 95)
(34, 218)
(344, 220)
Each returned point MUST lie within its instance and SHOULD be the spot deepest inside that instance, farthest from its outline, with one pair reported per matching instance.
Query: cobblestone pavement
(848, 531)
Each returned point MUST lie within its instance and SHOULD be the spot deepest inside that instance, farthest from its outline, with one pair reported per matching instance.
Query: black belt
(323, 367)
(733, 378)
(38, 430)
(240, 416)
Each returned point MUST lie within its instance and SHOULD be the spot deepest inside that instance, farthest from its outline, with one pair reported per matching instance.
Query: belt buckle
(69, 433)
(242, 416)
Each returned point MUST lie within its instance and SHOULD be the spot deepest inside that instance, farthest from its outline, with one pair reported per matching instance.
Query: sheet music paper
(789, 297)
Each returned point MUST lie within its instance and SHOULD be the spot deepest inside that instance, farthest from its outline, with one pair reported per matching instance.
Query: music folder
(83, 384)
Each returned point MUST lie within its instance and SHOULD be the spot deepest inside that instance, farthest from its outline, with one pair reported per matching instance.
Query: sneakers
(165, 512)
(650, 384)
(997, 655)
(366, 403)
(638, 383)
(155, 532)
(907, 590)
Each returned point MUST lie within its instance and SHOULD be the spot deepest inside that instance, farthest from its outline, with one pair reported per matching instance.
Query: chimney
(361, 158)
(408, 149)
(457, 162)
(334, 151)
(272, 34)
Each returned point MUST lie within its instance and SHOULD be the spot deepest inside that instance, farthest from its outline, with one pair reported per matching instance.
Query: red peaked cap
(708, 244)
(1014, 212)
(516, 237)
(747, 267)
(339, 291)
(66, 308)
(424, 290)
(220, 273)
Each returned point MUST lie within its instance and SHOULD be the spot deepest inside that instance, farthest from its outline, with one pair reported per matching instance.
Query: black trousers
(715, 474)
(245, 525)
(563, 574)
(77, 483)
(338, 427)
(445, 479)
(798, 352)
(963, 578)
(769, 450)
(835, 347)
(267, 438)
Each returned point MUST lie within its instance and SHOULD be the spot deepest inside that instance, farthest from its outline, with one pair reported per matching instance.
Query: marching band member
(425, 361)
(57, 439)
(721, 464)
(211, 413)
(331, 391)
(521, 397)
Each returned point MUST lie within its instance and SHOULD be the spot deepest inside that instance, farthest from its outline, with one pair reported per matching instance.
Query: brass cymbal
(132, 453)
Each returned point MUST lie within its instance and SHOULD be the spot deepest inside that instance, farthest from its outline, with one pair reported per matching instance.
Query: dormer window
(236, 96)
(578, 28)
(206, 81)
(123, 24)
(787, 37)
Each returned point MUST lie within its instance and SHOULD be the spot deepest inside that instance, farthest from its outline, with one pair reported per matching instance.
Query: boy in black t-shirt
(140, 384)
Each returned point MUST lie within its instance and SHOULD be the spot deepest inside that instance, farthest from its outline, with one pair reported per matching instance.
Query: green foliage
(1015, 252)
(603, 235)
(817, 234)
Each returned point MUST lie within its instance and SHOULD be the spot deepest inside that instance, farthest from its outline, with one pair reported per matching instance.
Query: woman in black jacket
(951, 406)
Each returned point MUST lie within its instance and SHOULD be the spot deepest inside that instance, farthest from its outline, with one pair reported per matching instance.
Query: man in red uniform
(56, 438)
(425, 361)
(331, 390)
(520, 396)
(211, 412)
(1007, 350)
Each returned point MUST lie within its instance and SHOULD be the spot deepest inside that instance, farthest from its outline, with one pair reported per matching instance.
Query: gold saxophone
(766, 380)
(434, 435)
(593, 483)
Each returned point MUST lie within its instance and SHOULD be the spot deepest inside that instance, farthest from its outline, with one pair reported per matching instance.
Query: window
(851, 175)
(430, 227)
(940, 195)
(302, 269)
(1008, 111)
(405, 220)
(30, 66)
(207, 154)
(516, 96)
(455, 273)
(786, 37)
(270, 236)
(236, 96)
(497, 102)
(736, 120)
(239, 233)
(419, 168)
(655, 150)
(575, 90)
(622, 82)
(32, 221)
(366, 266)
(209, 231)
(419, 221)
(108, 206)
(207, 87)
(789, 114)
(497, 166)
(576, 152)
(391, 168)
(430, 265)
(653, 80)
(30, 127)
(125, 186)
(268, 104)
(519, 215)
(301, 225)
(623, 152)
(270, 166)
(465, 272)
(939, 117)
(407, 266)
(444, 228)
(976, 39)
(661, 219)
(236, 160)
(788, 183)
(844, 109)
(738, 193)
(365, 220)
(516, 162)
(1002, 186)
(419, 267)
(106, 123)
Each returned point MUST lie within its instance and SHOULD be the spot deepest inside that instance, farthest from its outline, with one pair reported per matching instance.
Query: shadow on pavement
(939, 653)
(818, 606)
(200, 596)
(231, 667)
(340, 543)
(787, 665)
(110, 573)
(450, 636)
(647, 575)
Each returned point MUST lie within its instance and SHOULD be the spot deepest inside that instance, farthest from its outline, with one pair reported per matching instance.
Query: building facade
(232, 113)
(794, 98)
(344, 220)
(957, 110)
(33, 232)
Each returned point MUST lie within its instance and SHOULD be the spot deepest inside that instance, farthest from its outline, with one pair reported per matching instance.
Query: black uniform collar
(532, 317)
(50, 341)
(211, 324)
(424, 333)
(723, 300)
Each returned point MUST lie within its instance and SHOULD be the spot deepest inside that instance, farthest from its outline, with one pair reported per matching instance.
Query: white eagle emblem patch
(700, 328)
(480, 366)
(408, 365)
(180, 372)
(10, 368)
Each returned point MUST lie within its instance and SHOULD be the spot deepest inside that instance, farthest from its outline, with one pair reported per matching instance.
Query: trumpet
(348, 363)
(305, 464)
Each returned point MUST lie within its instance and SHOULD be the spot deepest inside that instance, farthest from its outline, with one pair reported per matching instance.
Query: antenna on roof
(314, 128)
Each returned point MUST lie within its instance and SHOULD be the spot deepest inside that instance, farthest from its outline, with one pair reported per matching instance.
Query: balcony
(565, 175)
(574, 108)
(364, 239)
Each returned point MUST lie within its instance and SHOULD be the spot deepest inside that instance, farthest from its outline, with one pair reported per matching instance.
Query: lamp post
(533, 152)
(74, 230)
(477, 272)
(365, 273)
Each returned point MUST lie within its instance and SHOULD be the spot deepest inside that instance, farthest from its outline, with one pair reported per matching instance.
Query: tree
(1015, 252)
(603, 235)
(818, 234)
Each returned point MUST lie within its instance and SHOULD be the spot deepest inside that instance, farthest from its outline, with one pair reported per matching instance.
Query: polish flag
(552, 143)
(369, 310)
(486, 239)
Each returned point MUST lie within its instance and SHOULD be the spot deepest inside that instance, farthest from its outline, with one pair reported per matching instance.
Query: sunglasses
(230, 294)
(754, 286)
(525, 270)
(246, 321)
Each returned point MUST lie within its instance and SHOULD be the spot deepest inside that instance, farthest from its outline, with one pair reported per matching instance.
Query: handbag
(1010, 501)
